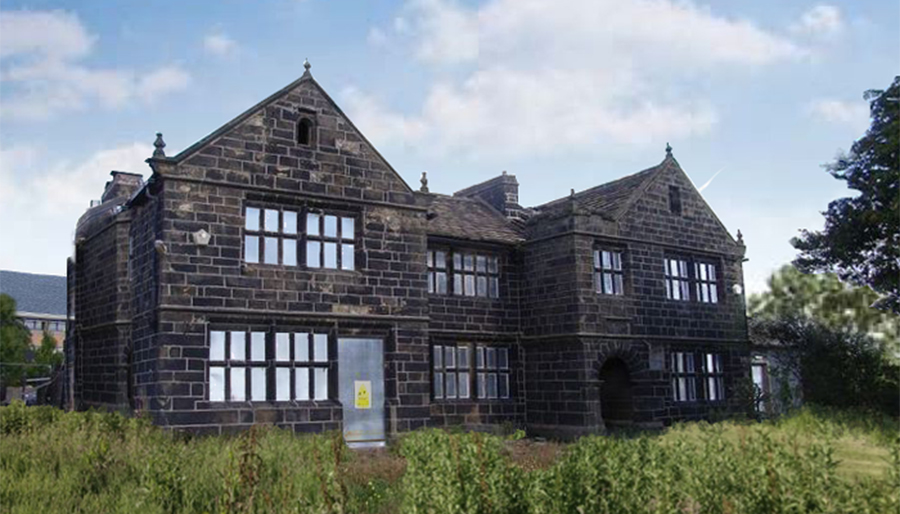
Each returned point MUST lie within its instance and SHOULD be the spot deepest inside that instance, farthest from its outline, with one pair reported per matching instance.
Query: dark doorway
(616, 402)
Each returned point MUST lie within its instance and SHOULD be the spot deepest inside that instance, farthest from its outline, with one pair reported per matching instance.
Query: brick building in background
(40, 302)
(281, 271)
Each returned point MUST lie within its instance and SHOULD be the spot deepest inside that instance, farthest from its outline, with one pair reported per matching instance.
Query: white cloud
(42, 203)
(377, 37)
(821, 20)
(852, 114)
(219, 44)
(579, 73)
(43, 73)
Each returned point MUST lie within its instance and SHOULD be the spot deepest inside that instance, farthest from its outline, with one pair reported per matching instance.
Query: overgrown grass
(90, 462)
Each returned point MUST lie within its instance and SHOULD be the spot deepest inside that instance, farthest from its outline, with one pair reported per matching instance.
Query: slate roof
(612, 199)
(39, 294)
(468, 218)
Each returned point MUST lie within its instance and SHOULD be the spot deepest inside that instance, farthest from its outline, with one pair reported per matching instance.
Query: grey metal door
(361, 375)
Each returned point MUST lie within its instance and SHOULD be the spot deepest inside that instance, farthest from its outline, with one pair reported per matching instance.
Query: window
(684, 378)
(608, 272)
(304, 132)
(715, 377)
(237, 366)
(330, 241)
(677, 279)
(452, 372)
(240, 370)
(675, 200)
(476, 274)
(437, 271)
(451, 376)
(270, 236)
(492, 366)
(705, 282)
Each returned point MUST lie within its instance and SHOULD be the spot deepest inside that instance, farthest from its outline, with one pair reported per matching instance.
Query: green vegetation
(814, 461)
(14, 342)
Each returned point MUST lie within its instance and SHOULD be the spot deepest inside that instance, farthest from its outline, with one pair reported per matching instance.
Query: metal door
(361, 375)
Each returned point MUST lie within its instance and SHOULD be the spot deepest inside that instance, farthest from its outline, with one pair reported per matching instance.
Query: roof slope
(39, 294)
(611, 199)
(468, 218)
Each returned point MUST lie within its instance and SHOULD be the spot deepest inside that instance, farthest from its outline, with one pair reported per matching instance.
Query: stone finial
(306, 65)
(668, 150)
(572, 193)
(424, 181)
(740, 237)
(504, 173)
(159, 144)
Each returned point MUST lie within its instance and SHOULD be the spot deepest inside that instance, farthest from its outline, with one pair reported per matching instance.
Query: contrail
(708, 182)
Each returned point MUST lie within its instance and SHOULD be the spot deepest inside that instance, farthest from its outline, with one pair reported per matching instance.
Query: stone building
(281, 271)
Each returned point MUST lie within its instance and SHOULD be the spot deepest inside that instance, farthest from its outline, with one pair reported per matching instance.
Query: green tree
(823, 297)
(861, 239)
(14, 342)
(46, 357)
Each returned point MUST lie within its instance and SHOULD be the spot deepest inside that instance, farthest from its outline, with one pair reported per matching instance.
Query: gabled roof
(227, 127)
(612, 199)
(38, 294)
(467, 218)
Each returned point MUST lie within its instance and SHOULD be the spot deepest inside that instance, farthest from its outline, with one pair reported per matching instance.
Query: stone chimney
(122, 184)
(501, 192)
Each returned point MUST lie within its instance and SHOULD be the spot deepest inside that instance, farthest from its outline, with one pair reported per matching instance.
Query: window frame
(683, 370)
(714, 377)
(681, 279)
(339, 239)
(615, 271)
(459, 274)
(705, 288)
(478, 373)
(262, 235)
(435, 272)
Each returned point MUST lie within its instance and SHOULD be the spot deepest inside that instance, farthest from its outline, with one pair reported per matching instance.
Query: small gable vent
(675, 200)
(305, 132)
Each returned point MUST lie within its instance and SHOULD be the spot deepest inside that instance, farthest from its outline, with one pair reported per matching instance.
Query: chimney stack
(502, 193)
(122, 184)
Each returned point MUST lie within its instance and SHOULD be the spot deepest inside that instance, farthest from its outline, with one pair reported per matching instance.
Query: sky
(754, 97)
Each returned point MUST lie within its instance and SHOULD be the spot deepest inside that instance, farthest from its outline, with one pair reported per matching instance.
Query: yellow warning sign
(363, 399)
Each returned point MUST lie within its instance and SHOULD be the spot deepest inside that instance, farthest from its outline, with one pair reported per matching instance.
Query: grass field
(812, 461)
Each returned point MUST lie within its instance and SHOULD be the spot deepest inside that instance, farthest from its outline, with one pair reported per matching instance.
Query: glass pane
(289, 252)
(320, 347)
(282, 347)
(669, 289)
(313, 251)
(491, 358)
(271, 250)
(493, 266)
(492, 385)
(301, 384)
(438, 357)
(479, 357)
(678, 362)
(330, 226)
(252, 219)
(216, 384)
(617, 283)
(607, 262)
(438, 385)
(251, 249)
(711, 388)
(683, 267)
(440, 259)
(463, 389)
(504, 386)
(689, 362)
(482, 286)
(692, 388)
(282, 384)
(470, 285)
(712, 273)
(617, 261)
(271, 220)
(301, 347)
(462, 357)
(321, 384)
(449, 357)
(702, 270)
(347, 231)
(258, 384)
(217, 346)
(430, 281)
(457, 261)
(312, 224)
(596, 259)
(482, 385)
(289, 222)
(607, 283)
(429, 259)
(682, 389)
(450, 386)
(458, 284)
(330, 255)
(238, 346)
(238, 385)
(495, 287)
(481, 264)
(347, 255)
(441, 278)
(469, 262)
(713, 294)
(503, 358)
(258, 346)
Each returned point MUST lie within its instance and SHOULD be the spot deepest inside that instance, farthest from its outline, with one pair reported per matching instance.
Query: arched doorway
(616, 402)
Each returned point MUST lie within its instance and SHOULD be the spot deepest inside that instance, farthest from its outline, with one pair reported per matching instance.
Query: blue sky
(563, 94)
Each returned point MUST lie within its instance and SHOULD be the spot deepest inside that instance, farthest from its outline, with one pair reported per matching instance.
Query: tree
(824, 298)
(14, 342)
(46, 358)
(861, 239)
